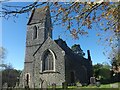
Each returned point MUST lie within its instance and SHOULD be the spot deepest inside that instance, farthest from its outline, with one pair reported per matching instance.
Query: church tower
(39, 28)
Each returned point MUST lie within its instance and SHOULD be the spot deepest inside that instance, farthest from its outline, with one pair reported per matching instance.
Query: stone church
(50, 61)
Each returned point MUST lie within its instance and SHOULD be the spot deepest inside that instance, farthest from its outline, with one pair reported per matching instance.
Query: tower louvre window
(35, 32)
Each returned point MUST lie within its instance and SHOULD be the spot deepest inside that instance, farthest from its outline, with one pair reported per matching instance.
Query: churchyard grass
(111, 86)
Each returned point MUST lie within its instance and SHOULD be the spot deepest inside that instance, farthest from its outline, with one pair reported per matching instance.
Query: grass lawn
(89, 87)
(102, 87)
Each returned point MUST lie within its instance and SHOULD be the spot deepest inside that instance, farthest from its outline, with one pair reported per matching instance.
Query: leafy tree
(2, 53)
(96, 69)
(5, 66)
(77, 50)
(115, 58)
(10, 75)
(2, 57)
(102, 71)
(115, 62)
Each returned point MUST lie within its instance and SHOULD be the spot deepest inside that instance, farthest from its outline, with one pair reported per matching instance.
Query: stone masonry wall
(57, 76)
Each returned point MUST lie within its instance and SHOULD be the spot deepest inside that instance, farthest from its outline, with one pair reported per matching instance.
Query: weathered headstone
(114, 85)
(5, 86)
(78, 84)
(92, 81)
(98, 84)
(17, 85)
(64, 85)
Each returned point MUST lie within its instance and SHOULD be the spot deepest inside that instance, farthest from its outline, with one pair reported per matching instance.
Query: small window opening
(35, 32)
(27, 77)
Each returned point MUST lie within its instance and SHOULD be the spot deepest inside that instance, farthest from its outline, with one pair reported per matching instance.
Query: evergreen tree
(77, 50)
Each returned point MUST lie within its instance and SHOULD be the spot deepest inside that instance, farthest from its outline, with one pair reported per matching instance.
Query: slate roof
(38, 15)
(63, 45)
(68, 51)
(75, 58)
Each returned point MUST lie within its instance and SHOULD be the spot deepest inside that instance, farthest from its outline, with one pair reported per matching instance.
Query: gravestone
(114, 85)
(98, 84)
(5, 86)
(17, 85)
(78, 84)
(92, 81)
(64, 85)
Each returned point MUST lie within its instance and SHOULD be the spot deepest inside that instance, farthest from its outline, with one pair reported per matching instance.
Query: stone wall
(75, 66)
(56, 76)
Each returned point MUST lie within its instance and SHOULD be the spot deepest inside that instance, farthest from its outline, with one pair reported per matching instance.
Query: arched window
(48, 60)
(35, 32)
